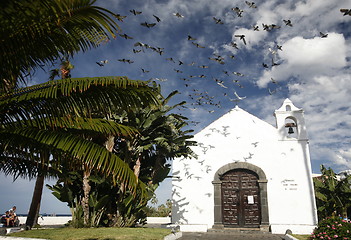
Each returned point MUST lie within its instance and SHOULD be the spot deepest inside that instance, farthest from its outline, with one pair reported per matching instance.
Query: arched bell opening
(291, 129)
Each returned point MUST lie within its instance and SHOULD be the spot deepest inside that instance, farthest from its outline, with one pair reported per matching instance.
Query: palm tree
(38, 32)
(47, 120)
(60, 117)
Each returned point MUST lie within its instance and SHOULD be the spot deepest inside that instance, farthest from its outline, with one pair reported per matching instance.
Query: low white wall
(295, 229)
(57, 220)
(48, 220)
(158, 220)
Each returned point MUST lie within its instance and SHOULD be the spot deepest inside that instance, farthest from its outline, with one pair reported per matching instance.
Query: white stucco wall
(241, 137)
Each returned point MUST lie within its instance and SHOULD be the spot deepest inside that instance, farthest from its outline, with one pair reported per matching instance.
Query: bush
(332, 228)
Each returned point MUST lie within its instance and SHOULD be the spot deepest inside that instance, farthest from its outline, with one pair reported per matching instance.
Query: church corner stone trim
(262, 182)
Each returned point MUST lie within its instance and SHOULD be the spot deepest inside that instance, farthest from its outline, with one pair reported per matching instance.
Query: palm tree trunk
(85, 199)
(137, 166)
(33, 213)
(110, 143)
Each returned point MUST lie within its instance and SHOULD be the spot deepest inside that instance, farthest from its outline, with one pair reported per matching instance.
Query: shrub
(332, 228)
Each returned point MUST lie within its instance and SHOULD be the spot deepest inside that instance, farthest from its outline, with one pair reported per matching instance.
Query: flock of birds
(203, 98)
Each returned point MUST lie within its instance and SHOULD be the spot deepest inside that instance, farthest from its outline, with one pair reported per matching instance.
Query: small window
(288, 108)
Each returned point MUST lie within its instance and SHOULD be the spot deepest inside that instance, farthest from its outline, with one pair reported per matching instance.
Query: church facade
(248, 174)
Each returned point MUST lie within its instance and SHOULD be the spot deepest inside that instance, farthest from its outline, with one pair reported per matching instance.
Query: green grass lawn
(300, 237)
(95, 233)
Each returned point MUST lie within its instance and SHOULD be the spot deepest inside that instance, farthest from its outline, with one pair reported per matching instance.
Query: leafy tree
(333, 195)
(163, 210)
(159, 139)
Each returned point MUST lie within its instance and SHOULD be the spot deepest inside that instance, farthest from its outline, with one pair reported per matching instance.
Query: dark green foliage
(332, 228)
(108, 205)
(159, 139)
(333, 196)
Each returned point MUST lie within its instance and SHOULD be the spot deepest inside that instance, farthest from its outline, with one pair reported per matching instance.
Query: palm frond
(75, 98)
(39, 32)
(94, 155)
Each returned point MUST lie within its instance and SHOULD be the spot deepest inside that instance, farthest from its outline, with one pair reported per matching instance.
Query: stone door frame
(262, 182)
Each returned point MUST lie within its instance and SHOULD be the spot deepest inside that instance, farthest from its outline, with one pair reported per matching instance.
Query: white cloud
(344, 158)
(308, 58)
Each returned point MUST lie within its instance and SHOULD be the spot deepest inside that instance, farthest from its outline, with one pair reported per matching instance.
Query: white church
(248, 174)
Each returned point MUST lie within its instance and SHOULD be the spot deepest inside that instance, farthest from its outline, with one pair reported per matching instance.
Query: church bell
(291, 130)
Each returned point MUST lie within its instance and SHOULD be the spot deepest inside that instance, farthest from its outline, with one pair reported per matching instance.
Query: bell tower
(290, 122)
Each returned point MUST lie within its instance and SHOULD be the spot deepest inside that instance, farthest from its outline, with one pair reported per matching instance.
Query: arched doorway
(240, 196)
(240, 199)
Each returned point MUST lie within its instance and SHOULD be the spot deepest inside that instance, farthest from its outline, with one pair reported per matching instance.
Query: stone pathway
(230, 235)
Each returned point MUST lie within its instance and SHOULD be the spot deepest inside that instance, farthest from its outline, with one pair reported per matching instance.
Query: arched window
(288, 108)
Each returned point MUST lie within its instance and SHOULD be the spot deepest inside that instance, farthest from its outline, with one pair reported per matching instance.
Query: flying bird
(177, 14)
(120, 17)
(220, 83)
(234, 45)
(217, 20)
(126, 36)
(274, 63)
(148, 25)
(265, 27)
(157, 18)
(238, 97)
(274, 26)
(265, 65)
(272, 92)
(323, 35)
(225, 72)
(273, 52)
(197, 45)
(238, 11)
(256, 28)
(217, 58)
(251, 4)
(238, 74)
(170, 59)
(288, 22)
(158, 79)
(135, 12)
(190, 38)
(139, 44)
(136, 51)
(241, 37)
(100, 64)
(345, 11)
(125, 60)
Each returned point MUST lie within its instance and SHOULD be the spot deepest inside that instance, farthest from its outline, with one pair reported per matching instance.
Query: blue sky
(313, 71)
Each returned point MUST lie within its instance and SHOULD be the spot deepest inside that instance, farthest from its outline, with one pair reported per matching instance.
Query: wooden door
(240, 199)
